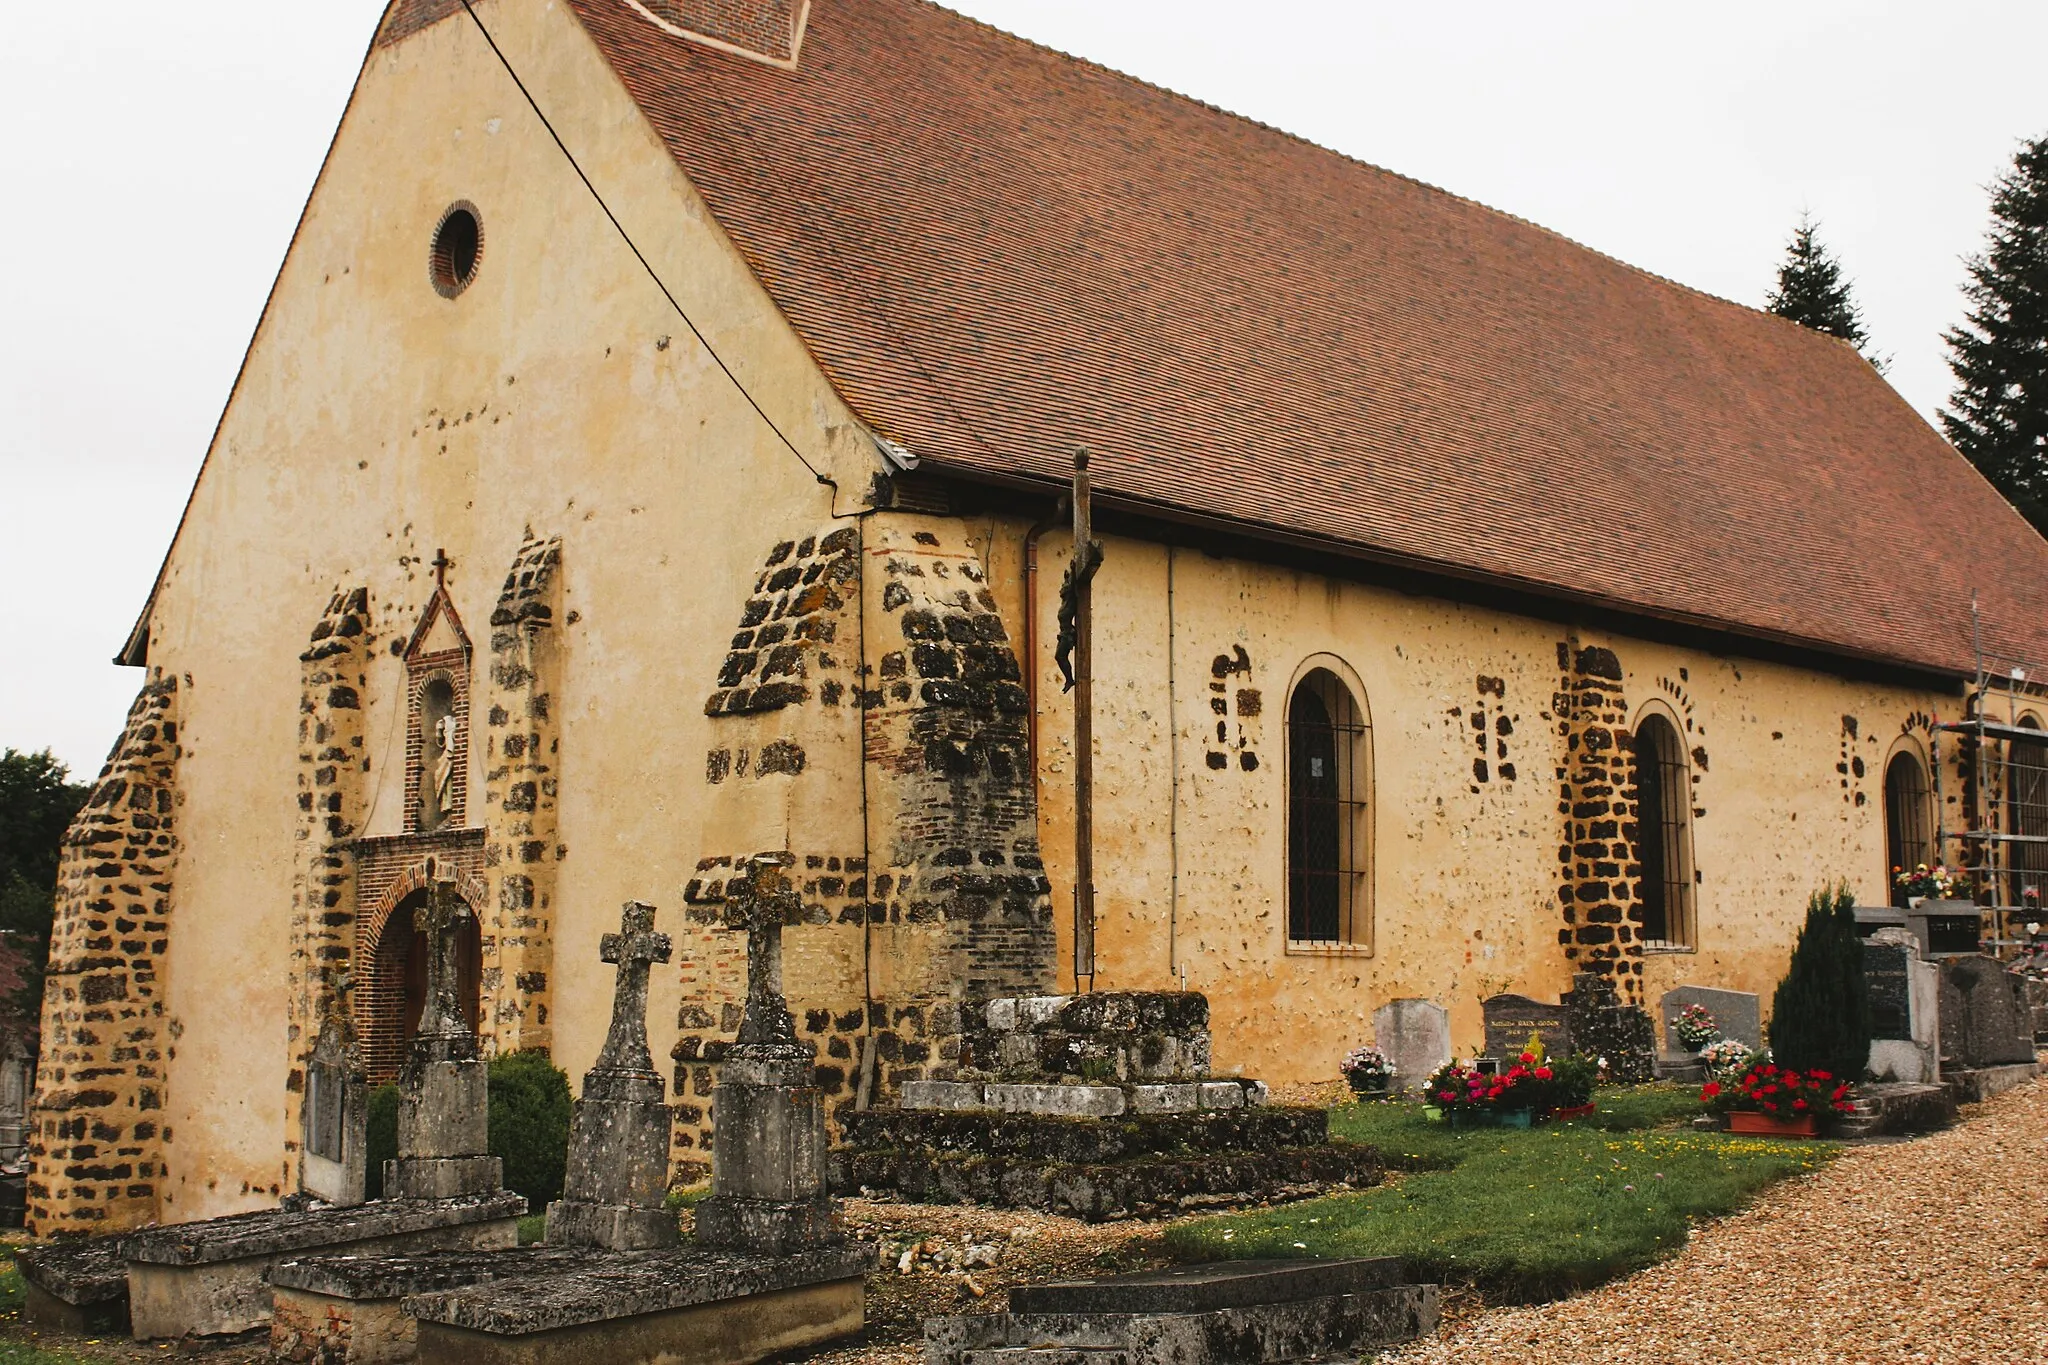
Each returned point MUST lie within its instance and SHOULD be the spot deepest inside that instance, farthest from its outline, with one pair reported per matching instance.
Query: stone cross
(761, 904)
(440, 919)
(635, 949)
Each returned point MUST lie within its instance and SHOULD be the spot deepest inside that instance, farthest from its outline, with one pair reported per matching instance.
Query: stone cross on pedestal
(440, 920)
(617, 1175)
(634, 949)
(761, 904)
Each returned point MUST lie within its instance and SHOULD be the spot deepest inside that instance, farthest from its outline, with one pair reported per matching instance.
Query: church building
(652, 454)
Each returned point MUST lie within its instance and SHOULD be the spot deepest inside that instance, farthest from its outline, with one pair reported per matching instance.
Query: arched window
(2026, 814)
(1908, 840)
(1663, 835)
(1329, 826)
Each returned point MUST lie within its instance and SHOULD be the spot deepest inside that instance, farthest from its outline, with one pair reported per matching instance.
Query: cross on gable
(635, 948)
(442, 564)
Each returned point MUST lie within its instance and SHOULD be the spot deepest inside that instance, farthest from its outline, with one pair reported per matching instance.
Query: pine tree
(1820, 1016)
(1813, 292)
(1998, 416)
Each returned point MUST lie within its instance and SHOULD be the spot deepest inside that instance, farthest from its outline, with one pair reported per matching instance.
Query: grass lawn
(1525, 1215)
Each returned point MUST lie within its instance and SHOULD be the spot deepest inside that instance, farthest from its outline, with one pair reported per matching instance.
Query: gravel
(1924, 1251)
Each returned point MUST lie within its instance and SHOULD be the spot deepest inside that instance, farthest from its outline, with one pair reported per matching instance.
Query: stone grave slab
(207, 1278)
(1416, 1036)
(1510, 1019)
(75, 1286)
(335, 1115)
(1234, 1313)
(346, 1310)
(1905, 997)
(683, 1307)
(1983, 1022)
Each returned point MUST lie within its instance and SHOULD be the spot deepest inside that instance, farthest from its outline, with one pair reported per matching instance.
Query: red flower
(1799, 1104)
(1542, 1073)
(1710, 1089)
(1527, 1058)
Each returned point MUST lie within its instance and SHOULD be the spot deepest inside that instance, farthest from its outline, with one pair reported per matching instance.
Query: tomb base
(348, 1310)
(1974, 1085)
(620, 1227)
(75, 1286)
(767, 1227)
(1233, 1313)
(443, 1177)
(684, 1307)
(207, 1278)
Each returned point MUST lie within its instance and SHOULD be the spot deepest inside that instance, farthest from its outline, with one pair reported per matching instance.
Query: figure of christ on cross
(761, 903)
(440, 920)
(635, 949)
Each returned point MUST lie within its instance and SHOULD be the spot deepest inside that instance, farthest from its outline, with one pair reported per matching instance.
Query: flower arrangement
(1780, 1092)
(1696, 1026)
(1727, 1055)
(1367, 1068)
(1939, 883)
(1531, 1086)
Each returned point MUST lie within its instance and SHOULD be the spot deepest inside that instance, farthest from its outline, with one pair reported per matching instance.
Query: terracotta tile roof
(997, 251)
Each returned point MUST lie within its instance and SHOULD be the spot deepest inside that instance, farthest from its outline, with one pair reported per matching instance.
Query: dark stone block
(1206, 1288)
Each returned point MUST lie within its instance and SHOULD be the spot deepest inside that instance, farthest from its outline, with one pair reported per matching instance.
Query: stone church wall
(96, 1129)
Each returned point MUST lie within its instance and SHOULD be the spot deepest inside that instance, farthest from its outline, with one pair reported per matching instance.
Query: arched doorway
(398, 985)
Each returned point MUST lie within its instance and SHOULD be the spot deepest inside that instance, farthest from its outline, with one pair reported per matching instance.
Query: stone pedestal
(768, 1163)
(443, 1133)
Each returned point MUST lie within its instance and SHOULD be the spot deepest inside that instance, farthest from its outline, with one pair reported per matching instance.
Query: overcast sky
(155, 157)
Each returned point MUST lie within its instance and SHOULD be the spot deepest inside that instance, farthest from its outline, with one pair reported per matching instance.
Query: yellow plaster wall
(375, 422)
(1466, 875)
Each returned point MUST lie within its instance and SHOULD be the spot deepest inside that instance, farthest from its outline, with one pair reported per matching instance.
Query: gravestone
(1983, 1023)
(1905, 995)
(335, 1114)
(617, 1175)
(1602, 1026)
(1416, 1036)
(1738, 1013)
(768, 1192)
(443, 1094)
(1510, 1019)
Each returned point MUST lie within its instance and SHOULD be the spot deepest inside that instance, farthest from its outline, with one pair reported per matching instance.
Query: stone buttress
(1598, 863)
(332, 768)
(95, 1139)
(522, 852)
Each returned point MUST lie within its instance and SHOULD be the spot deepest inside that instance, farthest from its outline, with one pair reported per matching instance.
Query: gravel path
(1925, 1251)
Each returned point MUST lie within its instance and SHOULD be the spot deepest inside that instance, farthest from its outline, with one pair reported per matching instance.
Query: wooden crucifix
(761, 903)
(635, 949)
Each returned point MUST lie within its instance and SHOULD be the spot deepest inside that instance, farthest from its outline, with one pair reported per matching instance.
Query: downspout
(1029, 662)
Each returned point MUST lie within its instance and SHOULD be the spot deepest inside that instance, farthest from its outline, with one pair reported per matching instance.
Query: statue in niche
(441, 731)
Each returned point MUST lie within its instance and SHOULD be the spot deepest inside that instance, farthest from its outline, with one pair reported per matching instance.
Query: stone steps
(1049, 1138)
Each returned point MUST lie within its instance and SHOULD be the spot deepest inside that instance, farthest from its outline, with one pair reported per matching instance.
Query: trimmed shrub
(1820, 1016)
(382, 1135)
(530, 1124)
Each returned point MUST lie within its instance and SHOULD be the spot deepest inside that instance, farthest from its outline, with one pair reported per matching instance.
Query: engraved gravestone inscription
(1885, 969)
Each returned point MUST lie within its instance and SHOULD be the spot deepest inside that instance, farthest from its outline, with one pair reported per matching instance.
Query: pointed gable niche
(769, 31)
(437, 716)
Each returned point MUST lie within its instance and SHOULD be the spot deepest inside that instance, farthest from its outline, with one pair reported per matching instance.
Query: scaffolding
(2003, 845)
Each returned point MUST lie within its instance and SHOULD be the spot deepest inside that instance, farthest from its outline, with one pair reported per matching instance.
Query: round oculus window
(458, 246)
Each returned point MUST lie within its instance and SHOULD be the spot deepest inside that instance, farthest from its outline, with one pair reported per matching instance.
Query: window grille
(1663, 835)
(2026, 814)
(1329, 852)
(1907, 840)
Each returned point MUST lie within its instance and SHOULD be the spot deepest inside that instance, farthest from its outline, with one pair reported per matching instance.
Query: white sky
(155, 157)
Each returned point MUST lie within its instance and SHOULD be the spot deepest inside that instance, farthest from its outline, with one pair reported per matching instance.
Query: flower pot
(1747, 1121)
(1573, 1111)
(1513, 1118)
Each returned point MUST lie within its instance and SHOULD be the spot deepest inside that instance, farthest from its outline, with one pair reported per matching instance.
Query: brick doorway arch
(390, 1007)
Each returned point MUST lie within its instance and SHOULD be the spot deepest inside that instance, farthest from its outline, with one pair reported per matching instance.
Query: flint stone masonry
(1243, 1313)
(1416, 1036)
(1602, 1026)
(207, 1279)
(75, 1286)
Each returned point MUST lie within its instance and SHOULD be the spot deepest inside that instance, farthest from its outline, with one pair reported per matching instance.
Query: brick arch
(373, 1002)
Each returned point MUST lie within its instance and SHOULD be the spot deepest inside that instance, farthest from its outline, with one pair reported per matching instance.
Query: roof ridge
(1309, 142)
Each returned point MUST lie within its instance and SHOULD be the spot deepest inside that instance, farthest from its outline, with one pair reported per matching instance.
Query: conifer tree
(1813, 292)
(1998, 415)
(1820, 1016)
